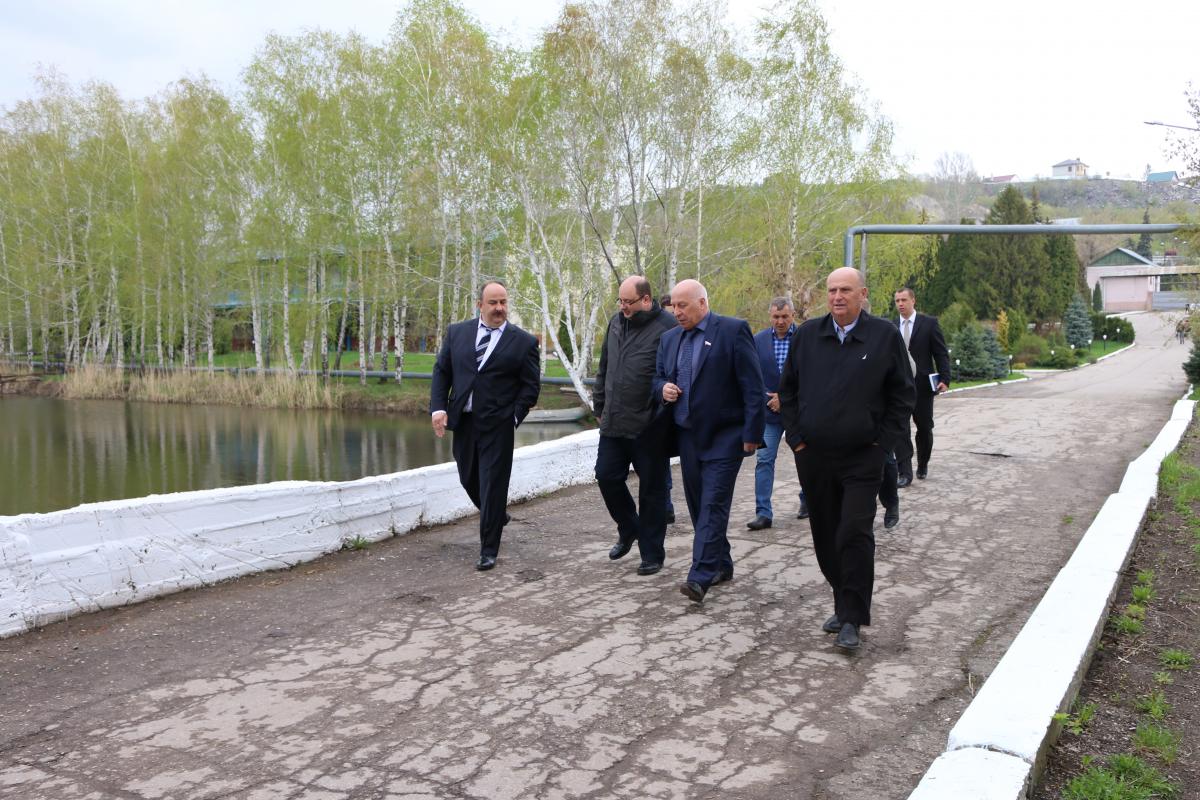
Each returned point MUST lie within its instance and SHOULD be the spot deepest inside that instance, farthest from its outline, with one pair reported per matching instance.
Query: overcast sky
(1017, 86)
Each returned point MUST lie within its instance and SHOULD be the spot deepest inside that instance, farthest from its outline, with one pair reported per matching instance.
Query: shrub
(1030, 348)
(958, 315)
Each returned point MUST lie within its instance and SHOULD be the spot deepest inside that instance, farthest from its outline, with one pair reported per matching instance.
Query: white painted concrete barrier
(958, 774)
(1000, 742)
(109, 554)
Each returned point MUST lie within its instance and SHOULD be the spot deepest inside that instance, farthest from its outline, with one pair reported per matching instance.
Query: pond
(56, 454)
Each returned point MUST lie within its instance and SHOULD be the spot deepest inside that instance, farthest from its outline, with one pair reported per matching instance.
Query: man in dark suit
(927, 347)
(846, 393)
(708, 375)
(485, 380)
(771, 345)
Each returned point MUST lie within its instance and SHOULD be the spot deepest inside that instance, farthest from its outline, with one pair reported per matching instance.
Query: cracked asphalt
(400, 672)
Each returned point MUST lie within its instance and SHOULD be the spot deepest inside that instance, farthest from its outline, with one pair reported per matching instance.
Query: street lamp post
(1104, 347)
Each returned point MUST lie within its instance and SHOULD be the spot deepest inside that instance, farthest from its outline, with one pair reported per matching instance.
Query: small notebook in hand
(934, 379)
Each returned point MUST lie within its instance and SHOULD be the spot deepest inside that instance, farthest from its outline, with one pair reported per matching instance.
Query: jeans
(764, 470)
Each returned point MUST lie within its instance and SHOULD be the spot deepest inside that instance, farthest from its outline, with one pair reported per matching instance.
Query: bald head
(689, 301)
(847, 293)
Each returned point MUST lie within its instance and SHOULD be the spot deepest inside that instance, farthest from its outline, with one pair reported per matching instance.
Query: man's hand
(749, 447)
(671, 392)
(800, 447)
(941, 387)
(439, 423)
(773, 401)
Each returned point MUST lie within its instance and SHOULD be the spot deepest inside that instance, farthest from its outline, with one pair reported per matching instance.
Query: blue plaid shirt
(781, 347)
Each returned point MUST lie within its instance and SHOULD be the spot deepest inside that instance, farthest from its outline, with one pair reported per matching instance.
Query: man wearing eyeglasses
(624, 403)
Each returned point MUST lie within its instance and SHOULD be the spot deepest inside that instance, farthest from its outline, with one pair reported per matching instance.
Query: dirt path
(400, 672)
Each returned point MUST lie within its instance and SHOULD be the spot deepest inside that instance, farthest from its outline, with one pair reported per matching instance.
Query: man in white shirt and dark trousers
(485, 380)
(927, 349)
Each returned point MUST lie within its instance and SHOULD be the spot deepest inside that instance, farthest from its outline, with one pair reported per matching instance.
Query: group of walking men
(839, 390)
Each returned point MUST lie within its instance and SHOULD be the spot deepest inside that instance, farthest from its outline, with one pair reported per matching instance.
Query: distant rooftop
(1162, 177)
(1070, 163)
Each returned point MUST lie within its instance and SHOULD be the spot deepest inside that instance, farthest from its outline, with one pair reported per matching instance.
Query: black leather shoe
(724, 577)
(507, 518)
(758, 523)
(848, 637)
(891, 516)
(903, 480)
(922, 473)
(693, 591)
(670, 517)
(648, 568)
(832, 625)
(620, 549)
(485, 563)
(803, 512)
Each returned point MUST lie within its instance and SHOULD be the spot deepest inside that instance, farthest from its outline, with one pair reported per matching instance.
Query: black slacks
(647, 520)
(841, 488)
(484, 457)
(922, 417)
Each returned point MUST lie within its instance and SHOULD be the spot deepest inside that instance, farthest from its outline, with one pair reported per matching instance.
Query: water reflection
(56, 454)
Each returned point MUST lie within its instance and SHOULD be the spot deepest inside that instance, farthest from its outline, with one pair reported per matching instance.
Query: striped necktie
(481, 347)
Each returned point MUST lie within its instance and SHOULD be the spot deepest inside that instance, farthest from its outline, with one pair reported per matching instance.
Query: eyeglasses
(624, 302)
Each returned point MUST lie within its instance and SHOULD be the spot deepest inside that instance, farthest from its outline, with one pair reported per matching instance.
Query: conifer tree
(971, 360)
(1097, 298)
(1143, 242)
(1077, 323)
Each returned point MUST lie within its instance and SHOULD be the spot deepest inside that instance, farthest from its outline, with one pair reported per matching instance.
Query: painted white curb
(1011, 719)
(109, 554)
(958, 774)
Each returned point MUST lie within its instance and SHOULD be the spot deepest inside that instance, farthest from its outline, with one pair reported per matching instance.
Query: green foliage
(357, 543)
(1142, 594)
(1191, 367)
(1076, 722)
(955, 318)
(1143, 248)
(1030, 348)
(1126, 624)
(1173, 658)
(1077, 324)
(1097, 298)
(1157, 739)
(1153, 705)
(1117, 329)
(1126, 777)
(976, 355)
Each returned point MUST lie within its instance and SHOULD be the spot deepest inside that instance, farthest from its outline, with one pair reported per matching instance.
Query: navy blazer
(505, 389)
(764, 344)
(727, 403)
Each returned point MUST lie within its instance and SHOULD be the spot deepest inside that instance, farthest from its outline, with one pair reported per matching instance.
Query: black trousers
(484, 457)
(645, 522)
(841, 489)
(922, 416)
(889, 492)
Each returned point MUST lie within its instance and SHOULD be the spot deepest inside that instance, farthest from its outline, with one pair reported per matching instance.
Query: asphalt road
(401, 673)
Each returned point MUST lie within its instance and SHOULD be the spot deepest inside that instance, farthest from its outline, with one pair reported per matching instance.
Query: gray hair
(781, 303)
